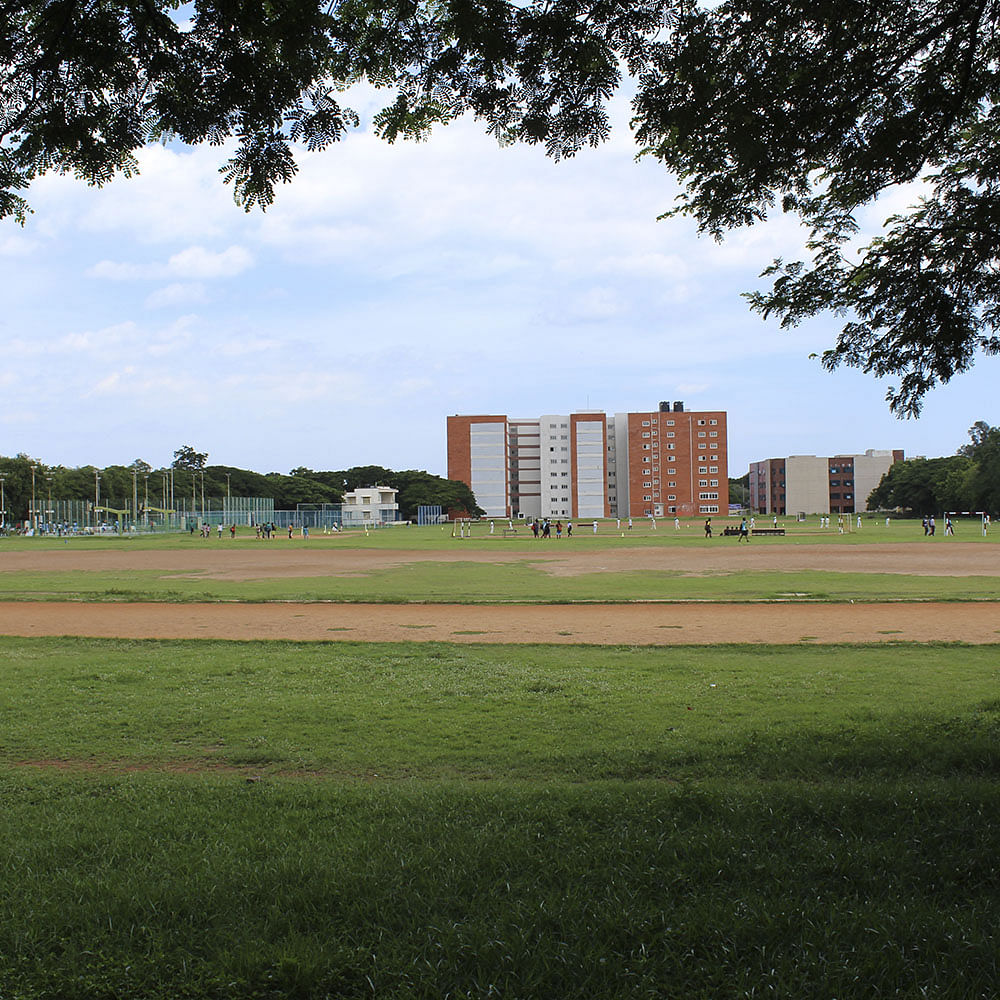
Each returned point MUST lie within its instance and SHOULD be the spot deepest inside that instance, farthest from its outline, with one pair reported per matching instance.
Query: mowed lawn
(209, 819)
(517, 576)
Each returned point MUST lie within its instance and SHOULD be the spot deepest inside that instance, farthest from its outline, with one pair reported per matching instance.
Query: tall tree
(816, 106)
(187, 458)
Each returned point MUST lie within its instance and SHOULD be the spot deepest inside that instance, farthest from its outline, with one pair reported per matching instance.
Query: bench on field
(766, 531)
(507, 532)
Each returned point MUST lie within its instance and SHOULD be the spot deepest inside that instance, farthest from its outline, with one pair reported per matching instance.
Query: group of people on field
(543, 528)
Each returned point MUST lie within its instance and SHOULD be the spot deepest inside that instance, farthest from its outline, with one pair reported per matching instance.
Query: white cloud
(17, 246)
(119, 271)
(197, 262)
(192, 262)
(178, 293)
(248, 345)
(91, 341)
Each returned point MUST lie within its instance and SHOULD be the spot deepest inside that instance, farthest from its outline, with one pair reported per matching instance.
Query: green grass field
(609, 535)
(235, 820)
(209, 819)
(485, 583)
(524, 579)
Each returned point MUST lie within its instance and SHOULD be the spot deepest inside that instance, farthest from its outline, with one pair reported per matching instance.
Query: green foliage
(969, 480)
(739, 490)
(189, 470)
(187, 458)
(820, 107)
(812, 105)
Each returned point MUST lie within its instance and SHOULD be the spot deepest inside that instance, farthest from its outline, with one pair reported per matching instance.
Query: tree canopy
(189, 471)
(813, 107)
(967, 481)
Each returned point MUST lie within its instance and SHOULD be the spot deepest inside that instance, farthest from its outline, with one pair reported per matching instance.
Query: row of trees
(968, 480)
(190, 474)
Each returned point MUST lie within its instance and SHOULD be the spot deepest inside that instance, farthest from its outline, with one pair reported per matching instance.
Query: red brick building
(662, 463)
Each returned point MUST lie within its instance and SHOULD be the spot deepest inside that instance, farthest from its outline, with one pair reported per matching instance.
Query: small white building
(369, 505)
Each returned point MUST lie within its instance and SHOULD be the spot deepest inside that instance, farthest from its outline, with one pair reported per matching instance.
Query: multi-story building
(590, 464)
(808, 484)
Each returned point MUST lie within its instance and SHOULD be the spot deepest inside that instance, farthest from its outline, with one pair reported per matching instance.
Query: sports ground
(648, 615)
(404, 764)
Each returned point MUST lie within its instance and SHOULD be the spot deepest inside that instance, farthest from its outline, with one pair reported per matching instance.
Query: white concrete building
(369, 505)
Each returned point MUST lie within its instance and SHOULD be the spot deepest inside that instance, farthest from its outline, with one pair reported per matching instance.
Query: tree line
(966, 481)
(190, 472)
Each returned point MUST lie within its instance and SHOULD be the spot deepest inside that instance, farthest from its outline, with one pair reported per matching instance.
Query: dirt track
(640, 624)
(630, 624)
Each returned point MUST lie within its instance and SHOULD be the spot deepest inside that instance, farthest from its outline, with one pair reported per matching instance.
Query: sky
(392, 285)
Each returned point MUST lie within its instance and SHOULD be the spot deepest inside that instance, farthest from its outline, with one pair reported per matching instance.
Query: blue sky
(390, 286)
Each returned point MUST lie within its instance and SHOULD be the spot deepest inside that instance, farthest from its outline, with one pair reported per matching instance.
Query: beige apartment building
(807, 484)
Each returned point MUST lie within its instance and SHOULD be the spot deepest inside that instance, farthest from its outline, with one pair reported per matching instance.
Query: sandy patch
(628, 624)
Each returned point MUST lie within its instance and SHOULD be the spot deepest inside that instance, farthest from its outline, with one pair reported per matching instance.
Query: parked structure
(813, 485)
(589, 464)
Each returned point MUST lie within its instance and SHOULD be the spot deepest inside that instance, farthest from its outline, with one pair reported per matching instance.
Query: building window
(670, 496)
(701, 434)
(670, 447)
(647, 498)
(701, 423)
(713, 434)
(671, 484)
(645, 423)
(645, 447)
(670, 423)
(702, 469)
(701, 444)
(713, 422)
(713, 482)
(713, 468)
(708, 496)
(709, 508)
(645, 434)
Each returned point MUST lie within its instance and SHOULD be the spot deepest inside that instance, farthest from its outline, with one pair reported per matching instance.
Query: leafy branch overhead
(810, 107)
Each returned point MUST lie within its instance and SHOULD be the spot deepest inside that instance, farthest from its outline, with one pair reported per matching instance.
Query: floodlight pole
(97, 496)
(34, 512)
(3, 504)
(49, 512)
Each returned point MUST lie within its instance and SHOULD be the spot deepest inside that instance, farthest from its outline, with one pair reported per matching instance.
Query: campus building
(807, 484)
(590, 464)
